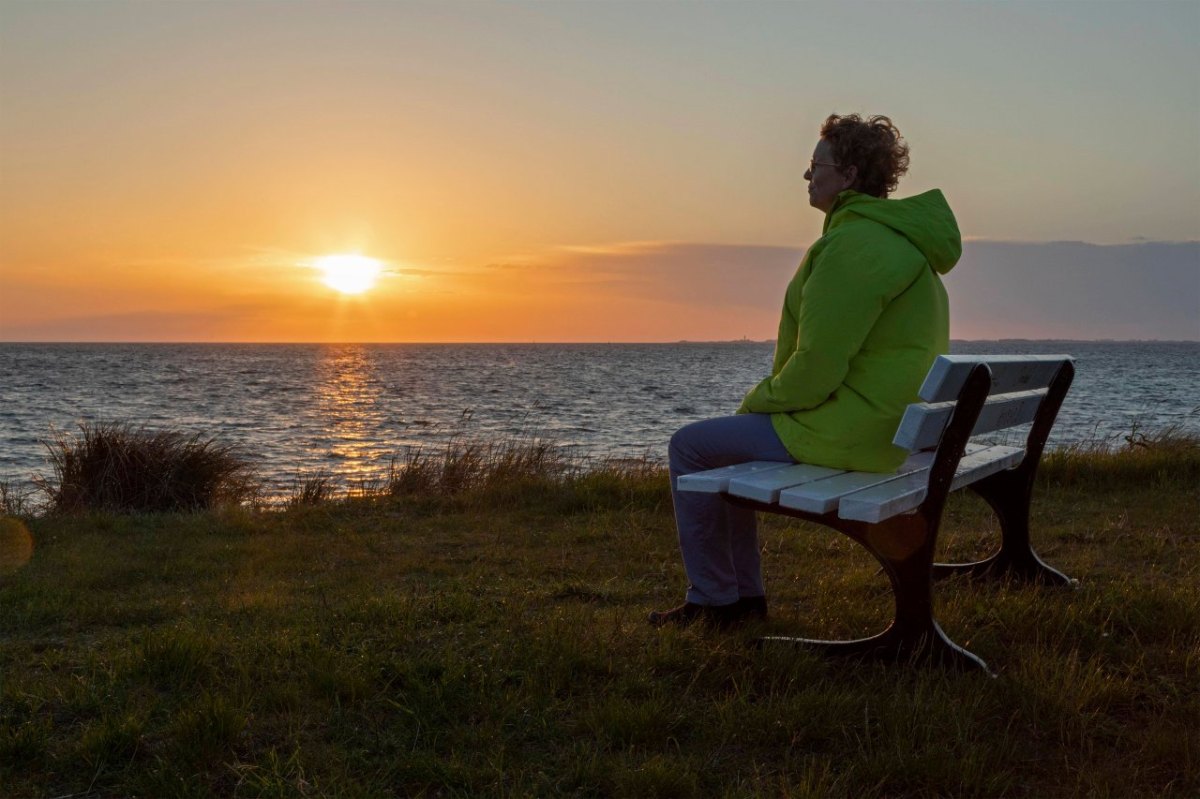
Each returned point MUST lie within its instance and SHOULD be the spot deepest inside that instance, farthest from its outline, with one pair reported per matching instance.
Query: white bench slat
(821, 496)
(922, 424)
(899, 496)
(1009, 373)
(714, 481)
(765, 486)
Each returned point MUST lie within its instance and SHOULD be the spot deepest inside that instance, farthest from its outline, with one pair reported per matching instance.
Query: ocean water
(347, 409)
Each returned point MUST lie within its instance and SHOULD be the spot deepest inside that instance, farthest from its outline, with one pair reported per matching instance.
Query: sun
(349, 274)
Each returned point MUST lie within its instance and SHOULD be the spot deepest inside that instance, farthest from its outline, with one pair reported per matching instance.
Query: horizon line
(114, 342)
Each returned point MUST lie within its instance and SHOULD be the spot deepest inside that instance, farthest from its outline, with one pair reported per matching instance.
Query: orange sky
(542, 172)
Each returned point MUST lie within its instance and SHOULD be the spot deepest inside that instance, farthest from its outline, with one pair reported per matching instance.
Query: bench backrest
(987, 393)
(1019, 385)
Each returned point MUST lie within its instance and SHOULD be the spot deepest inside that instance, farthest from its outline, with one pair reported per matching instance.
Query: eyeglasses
(812, 165)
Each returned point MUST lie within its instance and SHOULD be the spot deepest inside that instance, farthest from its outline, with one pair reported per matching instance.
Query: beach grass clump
(120, 467)
(15, 499)
(527, 473)
(465, 465)
(312, 489)
(1167, 456)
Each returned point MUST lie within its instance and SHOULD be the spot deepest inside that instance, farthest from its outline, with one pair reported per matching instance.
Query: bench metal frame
(905, 544)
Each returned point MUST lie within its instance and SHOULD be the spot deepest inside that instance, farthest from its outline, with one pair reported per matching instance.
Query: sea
(348, 410)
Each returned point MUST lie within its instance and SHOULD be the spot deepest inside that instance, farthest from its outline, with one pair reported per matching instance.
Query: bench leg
(931, 647)
(914, 636)
(1008, 494)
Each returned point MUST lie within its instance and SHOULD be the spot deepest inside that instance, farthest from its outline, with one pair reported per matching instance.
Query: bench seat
(866, 496)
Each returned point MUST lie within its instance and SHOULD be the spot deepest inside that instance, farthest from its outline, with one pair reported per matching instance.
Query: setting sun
(349, 274)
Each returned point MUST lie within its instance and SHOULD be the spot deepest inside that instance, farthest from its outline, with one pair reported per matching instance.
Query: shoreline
(549, 461)
(526, 343)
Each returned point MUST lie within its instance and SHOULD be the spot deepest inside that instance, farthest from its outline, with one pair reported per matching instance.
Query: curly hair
(873, 145)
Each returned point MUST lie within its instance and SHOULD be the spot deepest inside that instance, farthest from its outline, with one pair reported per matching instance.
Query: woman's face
(825, 180)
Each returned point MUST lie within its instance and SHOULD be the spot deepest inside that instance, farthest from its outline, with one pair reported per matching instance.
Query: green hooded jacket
(863, 320)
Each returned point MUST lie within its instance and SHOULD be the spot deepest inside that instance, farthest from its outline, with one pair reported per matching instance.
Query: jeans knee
(673, 448)
(681, 450)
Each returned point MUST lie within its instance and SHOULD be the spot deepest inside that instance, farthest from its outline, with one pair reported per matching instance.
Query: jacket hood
(925, 220)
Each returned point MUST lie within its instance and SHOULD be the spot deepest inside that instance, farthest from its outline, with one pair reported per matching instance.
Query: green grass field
(491, 642)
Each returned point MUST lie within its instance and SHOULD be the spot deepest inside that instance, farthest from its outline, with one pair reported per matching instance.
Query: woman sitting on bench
(863, 319)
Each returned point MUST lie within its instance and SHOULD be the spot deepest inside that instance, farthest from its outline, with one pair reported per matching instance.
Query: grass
(312, 489)
(118, 467)
(1161, 456)
(15, 499)
(484, 636)
(464, 465)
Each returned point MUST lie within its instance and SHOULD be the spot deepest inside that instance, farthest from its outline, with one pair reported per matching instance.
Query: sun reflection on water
(349, 398)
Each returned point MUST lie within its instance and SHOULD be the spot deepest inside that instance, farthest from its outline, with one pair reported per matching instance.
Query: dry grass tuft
(466, 465)
(312, 489)
(1169, 456)
(15, 499)
(116, 466)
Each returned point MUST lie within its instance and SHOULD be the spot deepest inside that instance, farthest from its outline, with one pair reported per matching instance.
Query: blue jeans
(719, 541)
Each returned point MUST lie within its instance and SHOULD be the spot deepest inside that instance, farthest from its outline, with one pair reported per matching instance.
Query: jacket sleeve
(840, 303)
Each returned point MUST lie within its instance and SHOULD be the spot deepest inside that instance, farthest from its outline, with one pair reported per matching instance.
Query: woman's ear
(850, 174)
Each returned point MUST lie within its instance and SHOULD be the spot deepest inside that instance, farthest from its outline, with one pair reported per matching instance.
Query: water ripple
(349, 408)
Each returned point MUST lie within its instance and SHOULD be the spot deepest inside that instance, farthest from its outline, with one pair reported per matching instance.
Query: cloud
(619, 248)
(413, 271)
(703, 275)
(134, 326)
(658, 291)
(1062, 289)
(244, 258)
(1076, 290)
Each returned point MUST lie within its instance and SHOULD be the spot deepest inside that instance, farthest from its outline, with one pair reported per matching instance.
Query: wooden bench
(896, 516)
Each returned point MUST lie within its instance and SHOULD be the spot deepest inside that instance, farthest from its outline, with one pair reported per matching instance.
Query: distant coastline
(5, 343)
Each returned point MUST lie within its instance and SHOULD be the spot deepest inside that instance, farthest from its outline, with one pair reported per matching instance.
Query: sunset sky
(618, 171)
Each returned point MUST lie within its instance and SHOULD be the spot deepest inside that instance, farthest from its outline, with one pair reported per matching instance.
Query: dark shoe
(752, 607)
(747, 608)
(721, 616)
